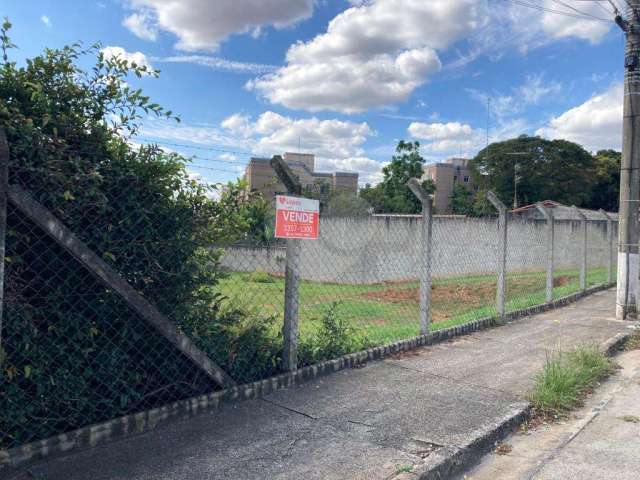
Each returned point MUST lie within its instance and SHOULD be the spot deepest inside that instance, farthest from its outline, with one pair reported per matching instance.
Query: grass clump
(567, 378)
(261, 277)
(634, 341)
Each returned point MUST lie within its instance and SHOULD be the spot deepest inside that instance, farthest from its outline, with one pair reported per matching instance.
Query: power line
(558, 12)
(582, 12)
(196, 147)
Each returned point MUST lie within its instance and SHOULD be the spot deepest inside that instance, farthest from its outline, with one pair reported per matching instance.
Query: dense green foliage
(335, 337)
(73, 352)
(605, 191)
(540, 169)
(392, 194)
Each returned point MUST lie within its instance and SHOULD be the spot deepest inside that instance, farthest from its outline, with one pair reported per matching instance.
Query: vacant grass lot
(389, 311)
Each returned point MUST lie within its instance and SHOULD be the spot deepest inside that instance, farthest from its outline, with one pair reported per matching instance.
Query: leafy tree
(392, 194)
(605, 192)
(461, 199)
(346, 204)
(544, 169)
(73, 352)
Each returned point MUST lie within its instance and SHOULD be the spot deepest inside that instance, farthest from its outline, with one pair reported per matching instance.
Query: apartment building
(445, 175)
(262, 178)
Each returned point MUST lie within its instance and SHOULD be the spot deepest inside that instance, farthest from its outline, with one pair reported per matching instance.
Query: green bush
(335, 337)
(74, 353)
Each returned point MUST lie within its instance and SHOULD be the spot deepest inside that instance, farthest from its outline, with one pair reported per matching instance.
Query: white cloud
(272, 133)
(456, 139)
(368, 170)
(596, 124)
(524, 28)
(372, 54)
(206, 135)
(217, 63)
(563, 26)
(141, 25)
(138, 58)
(534, 90)
(46, 20)
(203, 24)
(337, 144)
(453, 138)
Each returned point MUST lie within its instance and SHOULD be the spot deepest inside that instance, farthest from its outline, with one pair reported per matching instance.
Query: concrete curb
(452, 461)
(137, 423)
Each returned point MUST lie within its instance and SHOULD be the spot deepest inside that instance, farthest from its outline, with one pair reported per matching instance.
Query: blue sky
(347, 79)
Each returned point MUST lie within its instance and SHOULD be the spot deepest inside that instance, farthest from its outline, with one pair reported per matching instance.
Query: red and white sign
(297, 217)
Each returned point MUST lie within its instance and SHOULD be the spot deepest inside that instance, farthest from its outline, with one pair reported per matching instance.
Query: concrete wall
(374, 249)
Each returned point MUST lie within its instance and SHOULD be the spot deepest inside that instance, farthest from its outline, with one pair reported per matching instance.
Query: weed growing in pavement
(567, 378)
(634, 341)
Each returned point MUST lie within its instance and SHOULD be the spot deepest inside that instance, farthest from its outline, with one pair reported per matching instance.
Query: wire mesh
(465, 259)
(526, 279)
(598, 250)
(75, 353)
(359, 284)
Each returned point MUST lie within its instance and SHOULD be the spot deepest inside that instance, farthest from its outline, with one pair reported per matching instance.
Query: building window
(466, 179)
(455, 178)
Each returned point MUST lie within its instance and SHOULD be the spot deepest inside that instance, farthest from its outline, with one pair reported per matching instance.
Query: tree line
(519, 171)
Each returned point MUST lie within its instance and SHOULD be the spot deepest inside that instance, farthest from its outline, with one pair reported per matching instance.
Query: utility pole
(486, 151)
(515, 175)
(628, 261)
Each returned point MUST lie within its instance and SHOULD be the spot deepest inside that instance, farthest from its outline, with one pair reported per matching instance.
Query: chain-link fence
(127, 286)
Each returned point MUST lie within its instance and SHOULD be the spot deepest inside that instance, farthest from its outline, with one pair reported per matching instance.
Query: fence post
(4, 181)
(502, 252)
(425, 265)
(292, 274)
(610, 246)
(583, 260)
(548, 214)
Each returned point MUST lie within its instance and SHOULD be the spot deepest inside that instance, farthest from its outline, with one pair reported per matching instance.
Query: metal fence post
(548, 214)
(502, 252)
(610, 246)
(4, 182)
(583, 260)
(425, 265)
(290, 329)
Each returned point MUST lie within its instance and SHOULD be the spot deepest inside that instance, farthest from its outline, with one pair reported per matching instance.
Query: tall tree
(605, 193)
(392, 194)
(540, 169)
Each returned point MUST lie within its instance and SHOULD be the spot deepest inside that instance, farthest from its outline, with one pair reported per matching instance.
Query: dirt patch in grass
(449, 299)
(472, 295)
(561, 281)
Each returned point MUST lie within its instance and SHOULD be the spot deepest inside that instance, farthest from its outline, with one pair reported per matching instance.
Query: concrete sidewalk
(395, 418)
(599, 441)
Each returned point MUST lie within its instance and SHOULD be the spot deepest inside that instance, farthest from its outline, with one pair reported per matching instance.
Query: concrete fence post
(583, 253)
(502, 252)
(425, 258)
(548, 215)
(290, 329)
(610, 246)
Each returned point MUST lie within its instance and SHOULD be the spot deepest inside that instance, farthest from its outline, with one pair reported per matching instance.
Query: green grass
(567, 378)
(387, 312)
